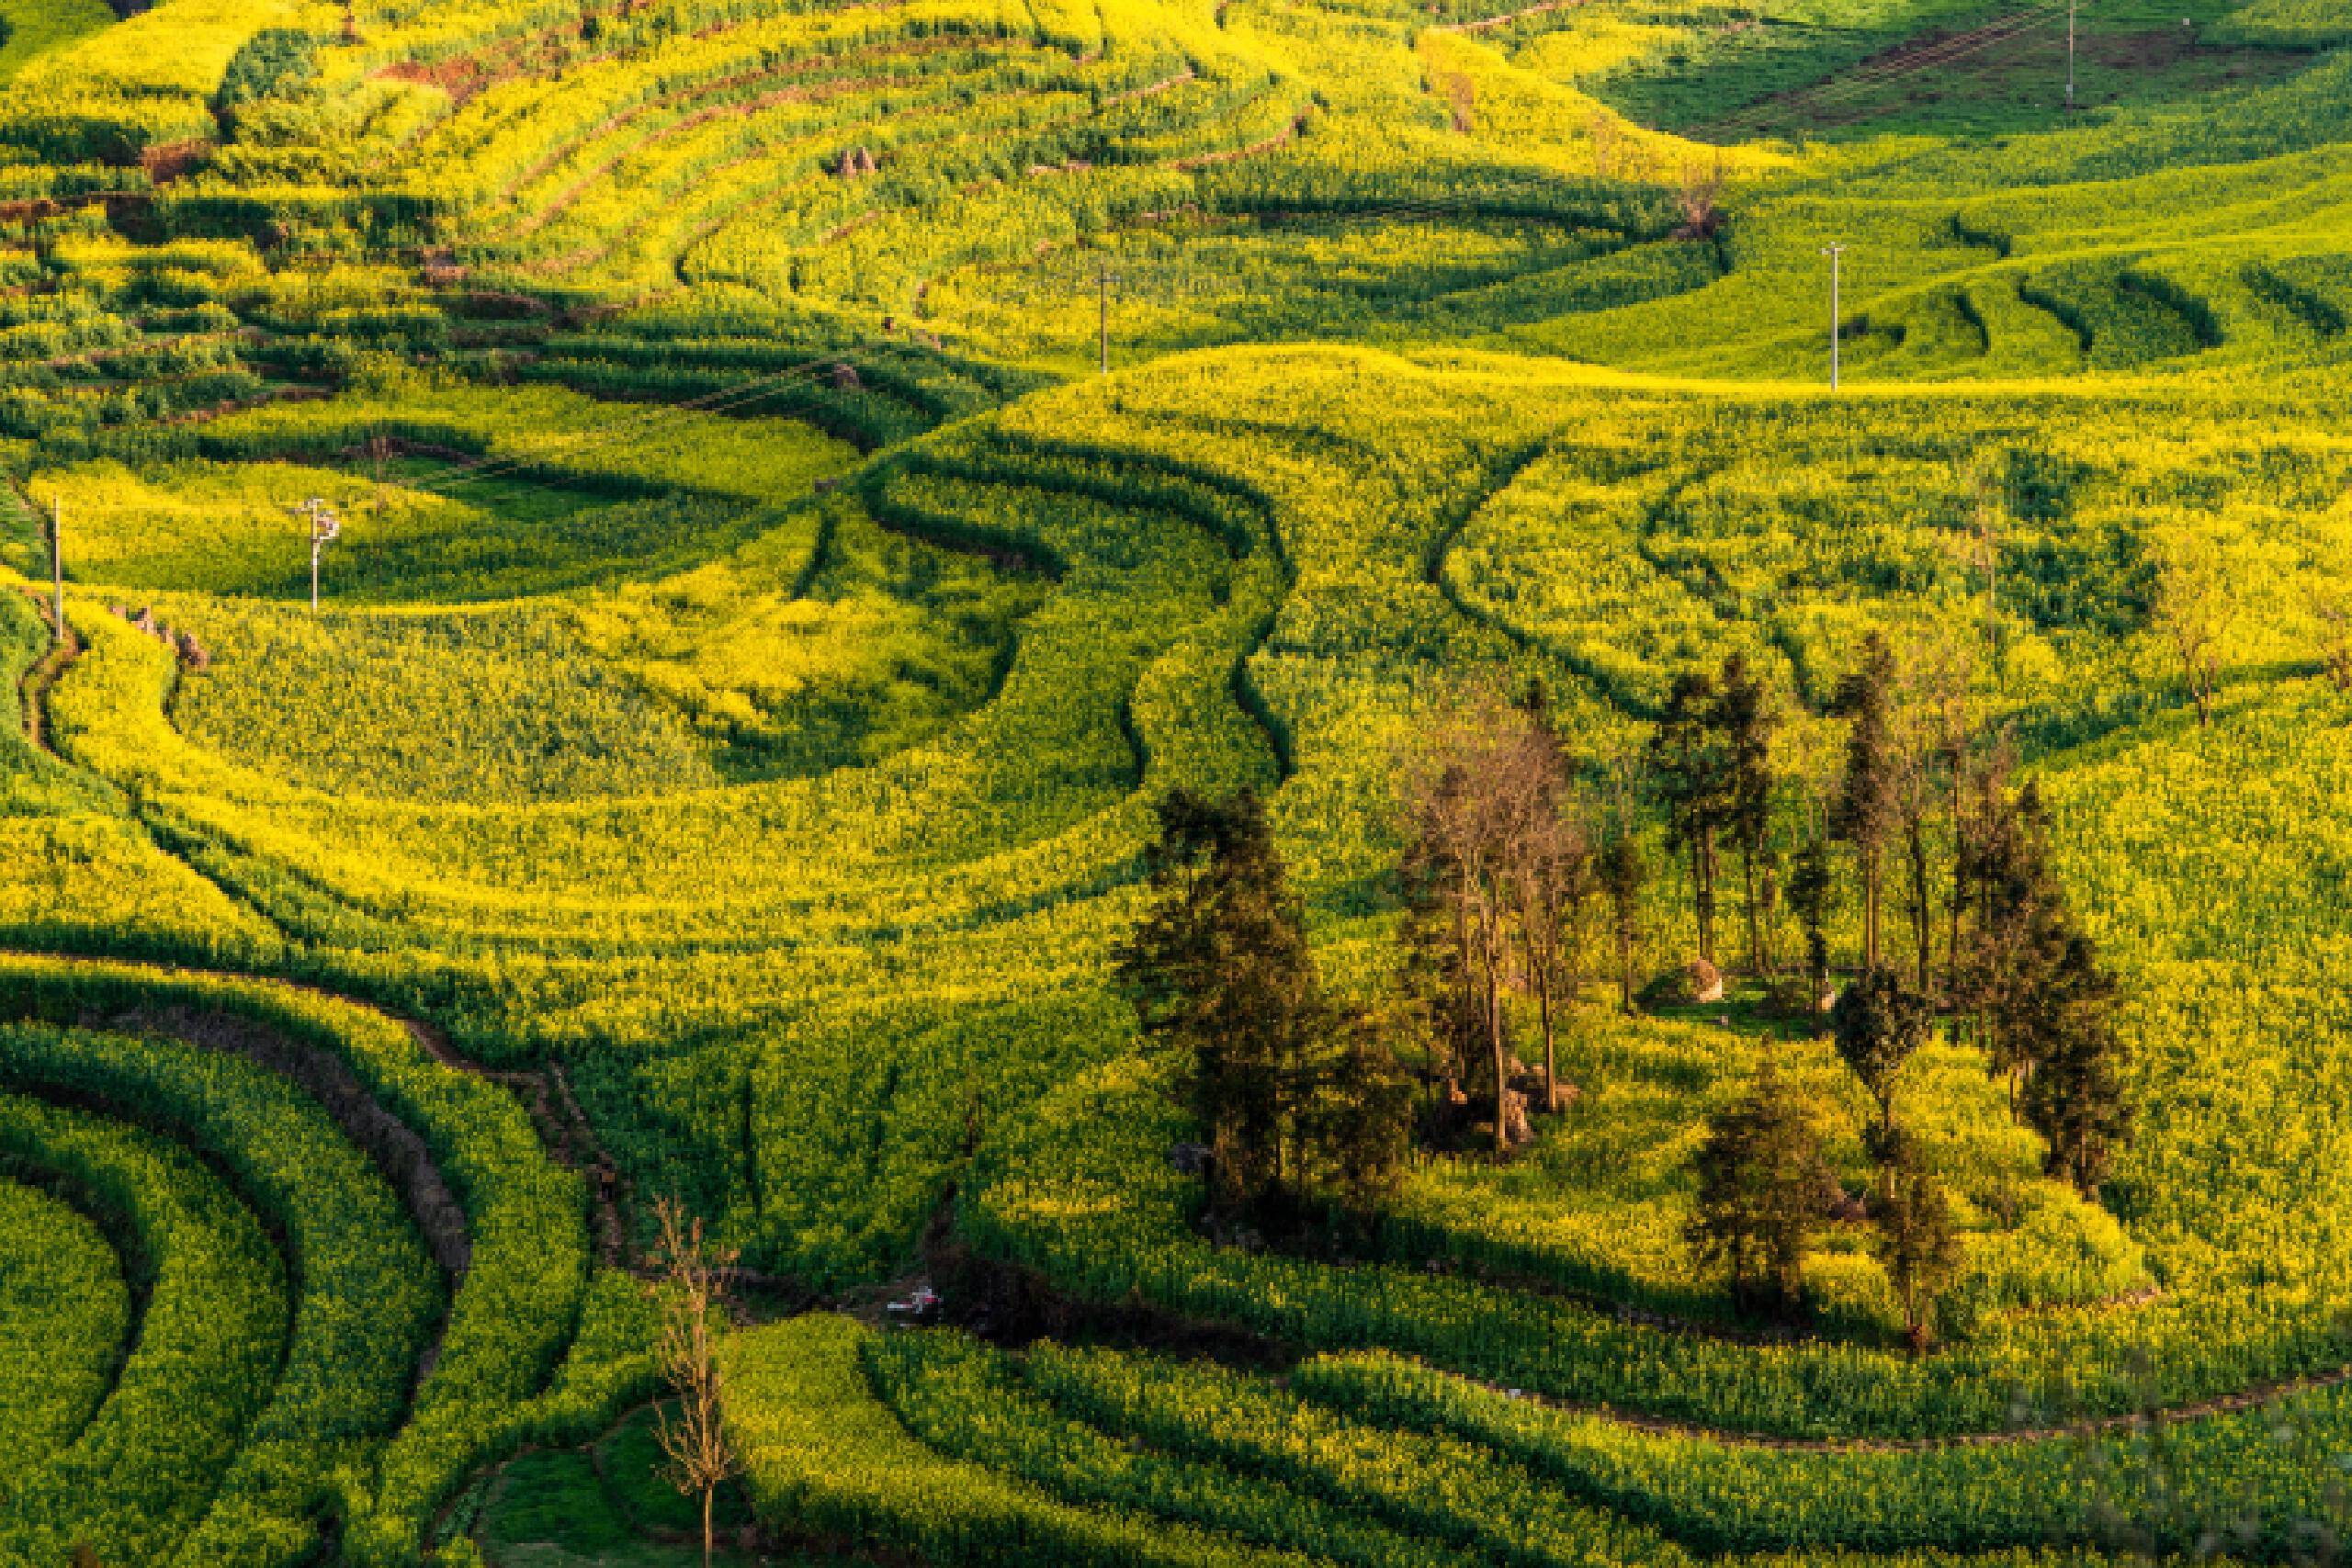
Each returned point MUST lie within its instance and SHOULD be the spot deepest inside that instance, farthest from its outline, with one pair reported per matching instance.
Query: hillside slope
(725, 763)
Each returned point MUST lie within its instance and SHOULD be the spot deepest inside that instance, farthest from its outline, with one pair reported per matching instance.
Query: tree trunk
(1551, 1073)
(1923, 912)
(1713, 862)
(1625, 952)
(1502, 1075)
(1702, 900)
(1816, 953)
(1959, 890)
(1756, 957)
(707, 1493)
(1869, 906)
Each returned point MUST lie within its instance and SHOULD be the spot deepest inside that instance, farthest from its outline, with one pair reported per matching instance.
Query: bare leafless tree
(1459, 855)
(1700, 194)
(1462, 100)
(693, 1297)
(2195, 604)
(1550, 862)
(1491, 856)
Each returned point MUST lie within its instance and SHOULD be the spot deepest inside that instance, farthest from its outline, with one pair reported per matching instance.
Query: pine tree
(1359, 1116)
(1866, 810)
(1880, 1022)
(1221, 977)
(1622, 875)
(2014, 902)
(2042, 1006)
(1745, 717)
(2021, 930)
(1694, 777)
(1812, 893)
(1759, 1202)
(2075, 1097)
(1917, 1242)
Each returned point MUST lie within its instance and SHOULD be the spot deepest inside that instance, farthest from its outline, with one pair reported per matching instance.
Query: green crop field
(616, 612)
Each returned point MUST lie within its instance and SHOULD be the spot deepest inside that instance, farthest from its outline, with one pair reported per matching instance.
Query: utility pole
(1102, 279)
(57, 561)
(2070, 55)
(325, 528)
(1836, 255)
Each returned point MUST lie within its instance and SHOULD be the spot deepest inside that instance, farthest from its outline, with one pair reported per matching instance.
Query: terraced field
(815, 478)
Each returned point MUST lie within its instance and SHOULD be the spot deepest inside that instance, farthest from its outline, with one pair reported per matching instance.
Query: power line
(1898, 67)
(652, 422)
(1858, 83)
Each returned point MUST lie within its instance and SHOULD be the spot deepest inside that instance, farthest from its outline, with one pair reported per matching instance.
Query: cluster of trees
(1923, 815)
(1524, 880)
(1926, 800)
(1298, 1095)
(1509, 872)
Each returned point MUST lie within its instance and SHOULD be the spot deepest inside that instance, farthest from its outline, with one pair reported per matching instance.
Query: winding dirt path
(563, 1130)
(1488, 24)
(32, 691)
(2092, 1427)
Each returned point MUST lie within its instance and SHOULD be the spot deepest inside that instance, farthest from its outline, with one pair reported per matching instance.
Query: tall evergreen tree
(1621, 876)
(1917, 1242)
(1812, 893)
(1880, 1022)
(1439, 978)
(1359, 1116)
(2019, 927)
(1694, 777)
(1743, 716)
(1759, 1202)
(1221, 977)
(1866, 812)
(2075, 1097)
(2041, 1005)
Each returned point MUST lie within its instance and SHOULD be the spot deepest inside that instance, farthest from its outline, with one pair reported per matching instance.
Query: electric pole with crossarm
(2070, 56)
(325, 528)
(1835, 251)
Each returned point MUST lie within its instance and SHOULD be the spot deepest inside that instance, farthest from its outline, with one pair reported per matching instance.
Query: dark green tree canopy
(1761, 1184)
(1880, 1022)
